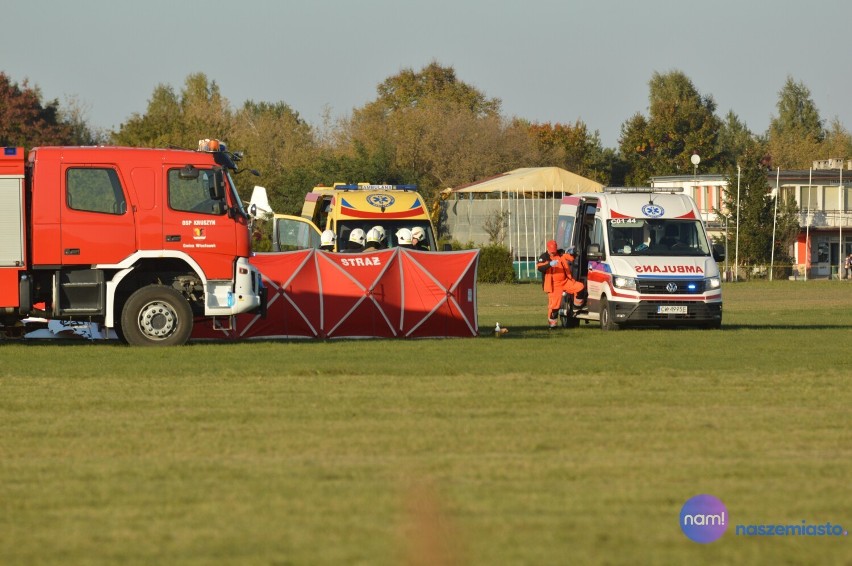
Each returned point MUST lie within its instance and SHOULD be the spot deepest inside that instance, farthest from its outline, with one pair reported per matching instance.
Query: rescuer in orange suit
(555, 266)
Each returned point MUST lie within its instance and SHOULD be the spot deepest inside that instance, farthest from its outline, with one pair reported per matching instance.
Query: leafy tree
(432, 129)
(681, 122)
(837, 142)
(734, 139)
(160, 125)
(797, 111)
(757, 212)
(27, 121)
(409, 89)
(459, 146)
(495, 225)
(276, 141)
(796, 134)
(74, 115)
(206, 113)
(637, 150)
(180, 121)
(574, 148)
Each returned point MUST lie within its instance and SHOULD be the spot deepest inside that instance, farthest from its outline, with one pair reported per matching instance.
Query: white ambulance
(644, 257)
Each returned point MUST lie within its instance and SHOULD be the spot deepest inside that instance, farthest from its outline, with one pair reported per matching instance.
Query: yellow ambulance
(343, 208)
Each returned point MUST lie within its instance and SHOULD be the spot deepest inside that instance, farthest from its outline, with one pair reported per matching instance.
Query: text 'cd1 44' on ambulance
(644, 258)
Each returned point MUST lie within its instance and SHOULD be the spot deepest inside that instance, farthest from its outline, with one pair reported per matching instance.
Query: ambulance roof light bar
(615, 190)
(368, 187)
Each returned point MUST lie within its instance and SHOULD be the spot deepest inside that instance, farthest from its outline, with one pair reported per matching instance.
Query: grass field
(567, 447)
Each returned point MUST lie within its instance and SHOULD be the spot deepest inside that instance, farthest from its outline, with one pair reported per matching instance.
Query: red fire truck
(141, 241)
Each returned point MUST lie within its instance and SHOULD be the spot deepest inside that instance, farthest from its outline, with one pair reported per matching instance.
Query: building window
(809, 199)
(822, 252)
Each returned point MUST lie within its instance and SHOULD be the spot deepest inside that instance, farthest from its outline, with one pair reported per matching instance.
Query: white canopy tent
(533, 180)
(531, 197)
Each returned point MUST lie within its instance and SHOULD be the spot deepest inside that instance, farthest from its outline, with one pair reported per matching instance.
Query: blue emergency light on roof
(643, 189)
(10, 151)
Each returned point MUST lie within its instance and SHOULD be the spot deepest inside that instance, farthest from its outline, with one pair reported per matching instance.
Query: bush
(455, 245)
(495, 265)
(495, 261)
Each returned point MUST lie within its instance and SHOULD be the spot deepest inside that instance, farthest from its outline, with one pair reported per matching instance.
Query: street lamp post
(840, 205)
(695, 161)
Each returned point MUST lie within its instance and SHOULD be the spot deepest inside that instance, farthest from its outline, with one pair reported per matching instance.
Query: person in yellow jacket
(555, 266)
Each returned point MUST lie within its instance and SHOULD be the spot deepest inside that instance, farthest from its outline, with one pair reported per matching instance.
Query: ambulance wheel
(566, 319)
(606, 316)
(156, 315)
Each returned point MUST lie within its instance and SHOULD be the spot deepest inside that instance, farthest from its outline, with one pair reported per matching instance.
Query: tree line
(430, 128)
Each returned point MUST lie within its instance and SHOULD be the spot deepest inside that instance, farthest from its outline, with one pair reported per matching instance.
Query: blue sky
(547, 60)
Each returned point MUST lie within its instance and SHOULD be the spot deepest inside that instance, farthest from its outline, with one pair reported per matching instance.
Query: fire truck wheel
(119, 333)
(156, 315)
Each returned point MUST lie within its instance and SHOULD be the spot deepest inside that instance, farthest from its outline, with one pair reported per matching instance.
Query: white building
(825, 216)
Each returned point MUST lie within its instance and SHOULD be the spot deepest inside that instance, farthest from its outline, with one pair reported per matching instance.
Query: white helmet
(403, 237)
(327, 238)
(374, 236)
(380, 231)
(419, 233)
(357, 236)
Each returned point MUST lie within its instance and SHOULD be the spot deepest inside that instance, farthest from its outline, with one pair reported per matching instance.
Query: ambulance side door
(584, 230)
(290, 233)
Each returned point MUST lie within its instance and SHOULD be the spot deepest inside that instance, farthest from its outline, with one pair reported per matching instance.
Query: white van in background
(644, 257)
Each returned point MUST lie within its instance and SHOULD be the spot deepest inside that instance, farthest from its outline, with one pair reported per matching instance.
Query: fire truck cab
(138, 240)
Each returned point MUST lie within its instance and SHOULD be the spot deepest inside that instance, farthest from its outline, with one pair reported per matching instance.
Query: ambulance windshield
(389, 228)
(640, 236)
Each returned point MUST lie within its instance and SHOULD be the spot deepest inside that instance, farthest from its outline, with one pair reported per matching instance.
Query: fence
(530, 223)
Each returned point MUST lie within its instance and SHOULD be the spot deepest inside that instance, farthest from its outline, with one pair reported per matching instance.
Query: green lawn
(567, 447)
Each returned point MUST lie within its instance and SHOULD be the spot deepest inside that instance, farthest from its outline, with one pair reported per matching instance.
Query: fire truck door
(196, 220)
(97, 221)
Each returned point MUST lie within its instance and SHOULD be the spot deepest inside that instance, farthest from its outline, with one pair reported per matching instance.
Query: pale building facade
(822, 195)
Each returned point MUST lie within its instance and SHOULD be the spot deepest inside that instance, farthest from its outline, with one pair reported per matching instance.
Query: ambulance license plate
(671, 309)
